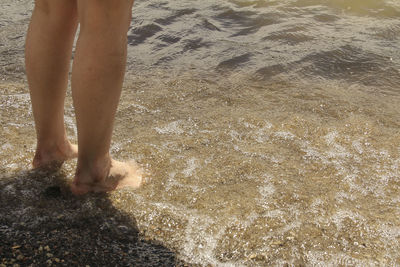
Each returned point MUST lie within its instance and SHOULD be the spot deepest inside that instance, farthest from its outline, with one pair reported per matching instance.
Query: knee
(57, 11)
(102, 16)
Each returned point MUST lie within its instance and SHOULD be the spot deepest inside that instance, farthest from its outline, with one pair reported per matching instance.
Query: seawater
(270, 129)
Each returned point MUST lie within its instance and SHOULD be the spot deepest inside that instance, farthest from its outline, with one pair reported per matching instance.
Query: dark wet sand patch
(42, 223)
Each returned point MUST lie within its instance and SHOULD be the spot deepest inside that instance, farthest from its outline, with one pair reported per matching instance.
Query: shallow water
(270, 128)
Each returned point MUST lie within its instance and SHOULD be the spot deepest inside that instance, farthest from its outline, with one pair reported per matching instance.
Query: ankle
(53, 147)
(95, 167)
(54, 138)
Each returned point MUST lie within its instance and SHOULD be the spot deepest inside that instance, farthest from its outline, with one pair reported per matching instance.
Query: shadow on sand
(42, 223)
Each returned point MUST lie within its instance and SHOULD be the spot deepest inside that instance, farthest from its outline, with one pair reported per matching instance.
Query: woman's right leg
(97, 77)
(47, 56)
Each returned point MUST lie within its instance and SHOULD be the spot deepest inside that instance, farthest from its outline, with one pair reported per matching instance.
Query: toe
(78, 190)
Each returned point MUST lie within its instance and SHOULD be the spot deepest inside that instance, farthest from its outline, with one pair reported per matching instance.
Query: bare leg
(97, 77)
(48, 53)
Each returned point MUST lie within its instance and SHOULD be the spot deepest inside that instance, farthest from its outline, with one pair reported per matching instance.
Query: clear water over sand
(270, 128)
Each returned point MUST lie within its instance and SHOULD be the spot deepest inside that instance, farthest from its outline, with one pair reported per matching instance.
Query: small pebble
(49, 255)
(276, 243)
(20, 257)
(257, 257)
(56, 259)
(47, 248)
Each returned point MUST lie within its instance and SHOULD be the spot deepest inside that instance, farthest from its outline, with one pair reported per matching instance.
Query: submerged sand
(42, 224)
(233, 180)
(246, 170)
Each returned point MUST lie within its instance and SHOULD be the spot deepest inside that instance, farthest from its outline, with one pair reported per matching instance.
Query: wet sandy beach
(42, 224)
(267, 145)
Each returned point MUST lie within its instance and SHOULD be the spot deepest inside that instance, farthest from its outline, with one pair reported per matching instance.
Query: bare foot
(117, 175)
(54, 157)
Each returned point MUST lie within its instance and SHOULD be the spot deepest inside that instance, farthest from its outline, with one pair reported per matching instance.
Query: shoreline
(267, 145)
